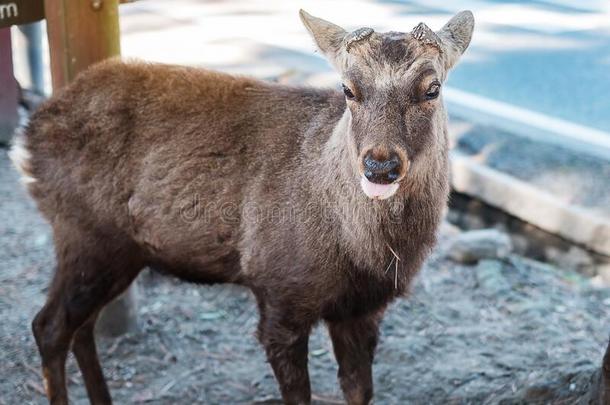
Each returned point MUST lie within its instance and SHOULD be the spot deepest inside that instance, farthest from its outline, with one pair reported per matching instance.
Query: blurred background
(513, 306)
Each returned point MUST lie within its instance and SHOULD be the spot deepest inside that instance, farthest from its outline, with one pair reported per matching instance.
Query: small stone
(598, 283)
(490, 277)
(472, 246)
(603, 271)
(210, 316)
(42, 240)
(121, 315)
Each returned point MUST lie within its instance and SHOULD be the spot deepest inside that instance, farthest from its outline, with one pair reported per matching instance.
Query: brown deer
(323, 203)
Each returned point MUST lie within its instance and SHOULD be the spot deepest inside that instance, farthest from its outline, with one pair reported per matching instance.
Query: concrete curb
(574, 223)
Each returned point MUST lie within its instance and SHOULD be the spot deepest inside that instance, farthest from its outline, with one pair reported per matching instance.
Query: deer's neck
(372, 232)
(364, 227)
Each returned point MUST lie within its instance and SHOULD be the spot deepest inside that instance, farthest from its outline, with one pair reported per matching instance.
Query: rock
(602, 279)
(574, 258)
(490, 277)
(42, 240)
(472, 246)
(121, 315)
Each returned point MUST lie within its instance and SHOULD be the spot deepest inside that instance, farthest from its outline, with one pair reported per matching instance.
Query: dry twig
(395, 267)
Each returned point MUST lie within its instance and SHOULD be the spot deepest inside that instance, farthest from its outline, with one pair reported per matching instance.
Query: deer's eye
(433, 91)
(348, 93)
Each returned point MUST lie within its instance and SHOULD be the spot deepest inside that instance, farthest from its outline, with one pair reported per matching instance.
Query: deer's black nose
(381, 171)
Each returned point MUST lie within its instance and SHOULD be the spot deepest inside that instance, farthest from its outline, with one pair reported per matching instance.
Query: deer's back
(164, 154)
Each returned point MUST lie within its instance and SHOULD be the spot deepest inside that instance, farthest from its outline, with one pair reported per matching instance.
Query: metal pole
(8, 89)
(33, 35)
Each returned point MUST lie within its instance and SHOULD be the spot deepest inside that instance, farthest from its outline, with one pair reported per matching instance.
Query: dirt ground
(510, 331)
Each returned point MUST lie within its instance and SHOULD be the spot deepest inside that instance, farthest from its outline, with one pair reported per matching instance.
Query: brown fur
(224, 179)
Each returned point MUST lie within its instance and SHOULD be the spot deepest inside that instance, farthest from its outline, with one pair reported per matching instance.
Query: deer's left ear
(456, 36)
(328, 36)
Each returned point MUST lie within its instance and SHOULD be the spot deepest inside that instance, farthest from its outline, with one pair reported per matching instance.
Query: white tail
(20, 156)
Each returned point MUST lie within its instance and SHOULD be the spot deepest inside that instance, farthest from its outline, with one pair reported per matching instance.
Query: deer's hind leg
(92, 269)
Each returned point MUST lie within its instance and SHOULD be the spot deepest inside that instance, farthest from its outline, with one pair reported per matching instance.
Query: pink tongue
(379, 191)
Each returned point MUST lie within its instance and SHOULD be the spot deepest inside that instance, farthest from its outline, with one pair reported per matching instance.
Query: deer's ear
(328, 36)
(456, 36)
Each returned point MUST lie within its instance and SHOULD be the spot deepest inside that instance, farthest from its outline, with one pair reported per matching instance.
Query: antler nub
(356, 36)
(425, 35)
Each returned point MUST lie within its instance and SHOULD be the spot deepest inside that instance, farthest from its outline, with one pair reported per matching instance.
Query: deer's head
(392, 84)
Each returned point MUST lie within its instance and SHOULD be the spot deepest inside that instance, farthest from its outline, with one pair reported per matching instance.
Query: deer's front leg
(354, 343)
(285, 338)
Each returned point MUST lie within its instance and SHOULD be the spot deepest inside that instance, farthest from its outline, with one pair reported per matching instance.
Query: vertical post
(9, 95)
(81, 33)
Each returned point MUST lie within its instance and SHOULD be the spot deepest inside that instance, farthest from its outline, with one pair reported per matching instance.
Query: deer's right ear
(328, 36)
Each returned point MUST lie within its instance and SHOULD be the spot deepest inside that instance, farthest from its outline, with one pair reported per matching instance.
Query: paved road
(551, 57)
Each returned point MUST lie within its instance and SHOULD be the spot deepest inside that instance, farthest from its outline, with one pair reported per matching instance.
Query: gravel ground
(510, 331)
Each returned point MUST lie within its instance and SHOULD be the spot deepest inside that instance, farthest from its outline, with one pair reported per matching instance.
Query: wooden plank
(9, 94)
(80, 33)
(17, 12)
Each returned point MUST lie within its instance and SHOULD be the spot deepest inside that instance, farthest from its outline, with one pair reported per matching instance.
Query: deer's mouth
(377, 191)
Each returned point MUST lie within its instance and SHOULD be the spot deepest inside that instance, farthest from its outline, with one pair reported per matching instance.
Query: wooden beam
(81, 33)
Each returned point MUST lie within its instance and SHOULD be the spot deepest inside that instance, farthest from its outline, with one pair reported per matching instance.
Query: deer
(325, 203)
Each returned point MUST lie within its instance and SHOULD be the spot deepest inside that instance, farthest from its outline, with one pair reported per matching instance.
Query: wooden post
(8, 85)
(81, 33)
